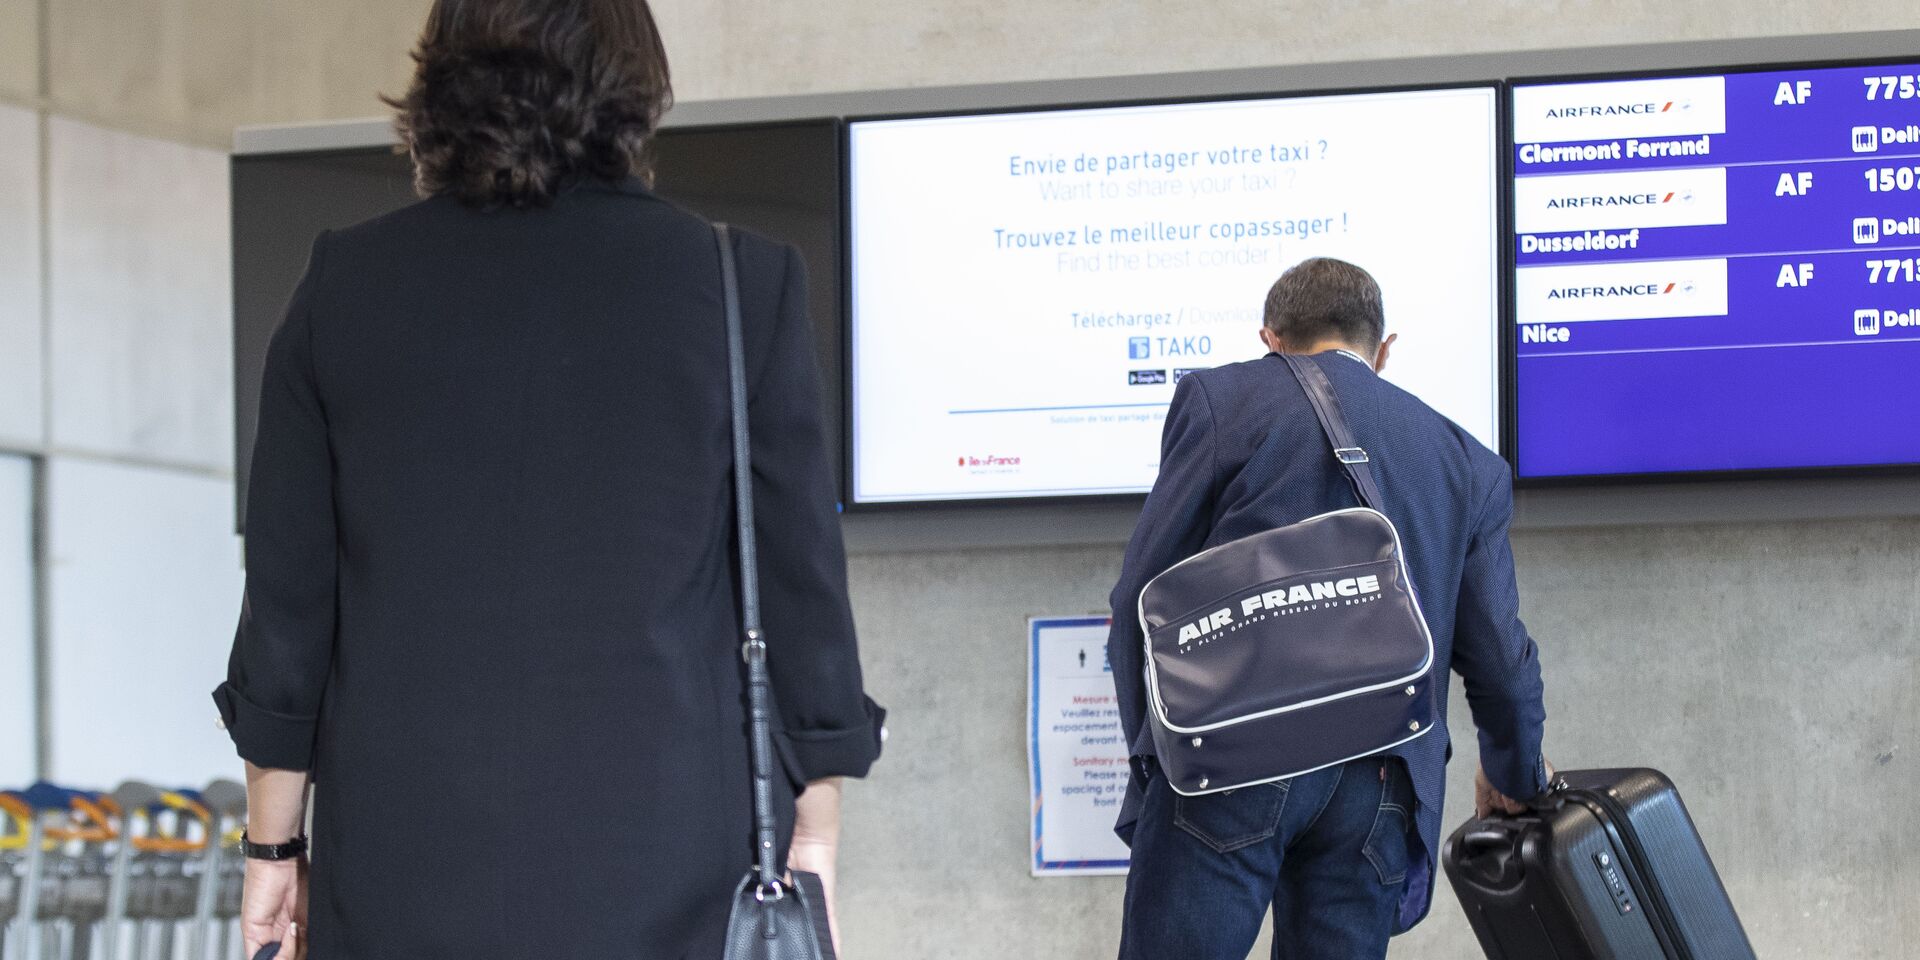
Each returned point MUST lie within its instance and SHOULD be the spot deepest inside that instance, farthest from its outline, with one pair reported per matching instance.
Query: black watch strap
(297, 847)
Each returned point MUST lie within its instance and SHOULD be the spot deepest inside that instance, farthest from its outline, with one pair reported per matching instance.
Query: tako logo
(1620, 290)
(1641, 109)
(1620, 200)
(1284, 599)
(1140, 348)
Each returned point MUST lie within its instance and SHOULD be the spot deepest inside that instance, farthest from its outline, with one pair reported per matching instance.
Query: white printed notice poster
(1078, 756)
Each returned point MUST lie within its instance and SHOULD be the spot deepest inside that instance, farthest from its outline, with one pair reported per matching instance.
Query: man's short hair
(1324, 299)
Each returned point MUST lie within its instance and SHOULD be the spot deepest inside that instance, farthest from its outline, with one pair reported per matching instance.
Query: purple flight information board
(1718, 273)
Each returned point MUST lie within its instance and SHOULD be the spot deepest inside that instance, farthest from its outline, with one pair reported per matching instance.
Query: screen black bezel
(1502, 198)
(1562, 481)
(843, 484)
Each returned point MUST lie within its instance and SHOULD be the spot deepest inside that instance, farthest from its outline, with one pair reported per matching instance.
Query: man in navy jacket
(1346, 856)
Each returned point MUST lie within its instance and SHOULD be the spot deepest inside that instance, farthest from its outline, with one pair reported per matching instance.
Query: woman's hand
(273, 907)
(816, 841)
(273, 904)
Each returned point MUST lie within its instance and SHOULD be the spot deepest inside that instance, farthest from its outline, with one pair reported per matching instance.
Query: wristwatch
(292, 849)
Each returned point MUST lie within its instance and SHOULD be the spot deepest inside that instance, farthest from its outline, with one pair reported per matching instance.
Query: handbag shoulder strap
(742, 442)
(1326, 406)
(753, 649)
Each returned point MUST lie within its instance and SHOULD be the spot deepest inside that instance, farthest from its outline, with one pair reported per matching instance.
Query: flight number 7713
(1893, 271)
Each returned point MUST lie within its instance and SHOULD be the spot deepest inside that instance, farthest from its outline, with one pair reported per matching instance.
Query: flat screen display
(1027, 288)
(1717, 273)
(779, 179)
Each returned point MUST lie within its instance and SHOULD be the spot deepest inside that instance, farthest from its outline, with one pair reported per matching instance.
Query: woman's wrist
(276, 806)
(272, 852)
(817, 814)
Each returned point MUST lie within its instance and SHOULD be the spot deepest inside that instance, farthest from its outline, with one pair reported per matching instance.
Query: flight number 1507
(1893, 271)
(1892, 179)
(1892, 88)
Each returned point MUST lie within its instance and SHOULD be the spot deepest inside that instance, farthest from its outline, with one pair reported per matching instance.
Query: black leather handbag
(1293, 649)
(773, 918)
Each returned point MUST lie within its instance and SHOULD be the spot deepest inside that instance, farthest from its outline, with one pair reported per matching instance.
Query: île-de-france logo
(987, 460)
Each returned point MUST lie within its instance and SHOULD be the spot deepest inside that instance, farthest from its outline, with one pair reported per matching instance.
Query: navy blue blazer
(1242, 453)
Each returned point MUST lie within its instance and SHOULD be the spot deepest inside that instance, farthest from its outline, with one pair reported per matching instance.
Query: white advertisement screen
(1028, 287)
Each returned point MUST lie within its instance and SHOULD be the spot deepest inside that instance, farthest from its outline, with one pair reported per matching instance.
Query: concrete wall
(1771, 668)
(21, 411)
(194, 69)
(115, 373)
(17, 721)
(119, 576)
(20, 38)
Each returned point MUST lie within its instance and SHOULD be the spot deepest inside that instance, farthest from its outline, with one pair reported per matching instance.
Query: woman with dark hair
(491, 609)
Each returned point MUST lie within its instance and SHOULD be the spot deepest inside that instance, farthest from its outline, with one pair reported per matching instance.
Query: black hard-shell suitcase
(1606, 866)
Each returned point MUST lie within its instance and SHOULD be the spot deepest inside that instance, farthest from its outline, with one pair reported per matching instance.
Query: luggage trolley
(138, 874)
(170, 836)
(56, 862)
(217, 914)
(19, 834)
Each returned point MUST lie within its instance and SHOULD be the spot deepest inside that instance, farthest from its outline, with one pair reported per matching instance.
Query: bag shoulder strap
(742, 443)
(754, 647)
(1326, 406)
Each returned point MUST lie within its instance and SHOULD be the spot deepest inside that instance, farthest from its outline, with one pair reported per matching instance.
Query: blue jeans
(1328, 851)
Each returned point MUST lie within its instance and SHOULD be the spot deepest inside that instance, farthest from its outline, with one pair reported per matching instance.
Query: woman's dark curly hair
(514, 101)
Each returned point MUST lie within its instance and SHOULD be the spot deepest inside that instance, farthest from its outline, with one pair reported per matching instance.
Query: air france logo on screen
(1617, 200)
(1629, 200)
(1621, 291)
(1573, 112)
(1612, 109)
(1629, 290)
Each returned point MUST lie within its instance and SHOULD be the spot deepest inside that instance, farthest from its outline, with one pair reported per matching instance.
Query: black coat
(490, 578)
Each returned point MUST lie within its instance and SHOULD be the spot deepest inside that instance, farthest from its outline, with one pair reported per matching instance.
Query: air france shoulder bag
(771, 918)
(1290, 650)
